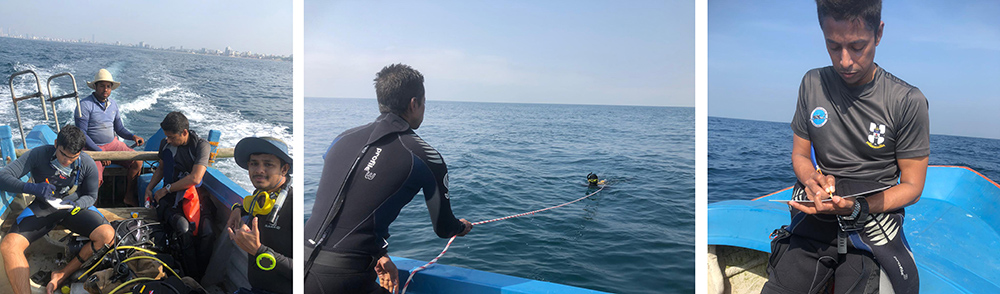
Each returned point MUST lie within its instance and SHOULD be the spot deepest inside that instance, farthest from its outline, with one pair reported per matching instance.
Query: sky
(563, 52)
(759, 51)
(259, 26)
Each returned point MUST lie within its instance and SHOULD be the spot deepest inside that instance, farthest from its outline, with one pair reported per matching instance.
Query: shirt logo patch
(818, 117)
(876, 136)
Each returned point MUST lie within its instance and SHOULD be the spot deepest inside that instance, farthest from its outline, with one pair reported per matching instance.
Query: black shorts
(802, 265)
(342, 273)
(33, 227)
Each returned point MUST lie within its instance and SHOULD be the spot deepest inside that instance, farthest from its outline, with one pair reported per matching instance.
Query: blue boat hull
(446, 279)
(952, 230)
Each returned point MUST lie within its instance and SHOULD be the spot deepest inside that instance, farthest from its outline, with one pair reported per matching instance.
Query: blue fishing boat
(227, 269)
(953, 231)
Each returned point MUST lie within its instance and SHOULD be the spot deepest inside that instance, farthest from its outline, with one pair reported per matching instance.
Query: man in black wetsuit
(868, 128)
(369, 173)
(65, 189)
(267, 236)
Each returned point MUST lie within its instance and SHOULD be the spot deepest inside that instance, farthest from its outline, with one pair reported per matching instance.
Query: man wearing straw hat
(99, 119)
(266, 233)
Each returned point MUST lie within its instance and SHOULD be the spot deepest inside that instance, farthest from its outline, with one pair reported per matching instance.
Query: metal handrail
(53, 98)
(17, 111)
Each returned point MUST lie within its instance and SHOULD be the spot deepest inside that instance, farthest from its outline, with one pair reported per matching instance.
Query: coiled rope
(433, 261)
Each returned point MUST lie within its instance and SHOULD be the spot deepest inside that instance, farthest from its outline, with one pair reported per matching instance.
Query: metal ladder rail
(17, 111)
(52, 98)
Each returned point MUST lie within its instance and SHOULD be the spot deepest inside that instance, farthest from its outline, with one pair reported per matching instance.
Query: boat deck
(44, 253)
(952, 230)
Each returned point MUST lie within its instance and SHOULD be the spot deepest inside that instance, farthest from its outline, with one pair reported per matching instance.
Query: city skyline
(228, 51)
(255, 25)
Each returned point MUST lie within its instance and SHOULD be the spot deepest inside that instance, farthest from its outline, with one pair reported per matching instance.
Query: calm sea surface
(748, 159)
(634, 237)
(240, 97)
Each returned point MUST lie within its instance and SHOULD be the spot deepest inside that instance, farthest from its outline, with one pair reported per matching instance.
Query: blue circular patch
(818, 117)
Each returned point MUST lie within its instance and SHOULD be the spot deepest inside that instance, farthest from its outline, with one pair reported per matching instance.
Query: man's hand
(246, 238)
(838, 206)
(105, 162)
(44, 190)
(388, 275)
(468, 227)
(139, 141)
(160, 194)
(234, 221)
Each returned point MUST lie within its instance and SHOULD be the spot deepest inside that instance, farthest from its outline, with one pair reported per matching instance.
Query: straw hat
(103, 75)
(256, 145)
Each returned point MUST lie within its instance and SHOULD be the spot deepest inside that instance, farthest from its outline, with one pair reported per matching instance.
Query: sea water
(748, 159)
(637, 236)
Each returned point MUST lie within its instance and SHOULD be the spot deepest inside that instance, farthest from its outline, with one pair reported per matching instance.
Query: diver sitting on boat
(98, 117)
(269, 245)
(65, 188)
(855, 124)
(183, 160)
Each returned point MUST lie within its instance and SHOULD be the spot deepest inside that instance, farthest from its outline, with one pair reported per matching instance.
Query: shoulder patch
(818, 117)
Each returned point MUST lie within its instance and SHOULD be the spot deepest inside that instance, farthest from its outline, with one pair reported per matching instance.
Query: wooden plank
(134, 155)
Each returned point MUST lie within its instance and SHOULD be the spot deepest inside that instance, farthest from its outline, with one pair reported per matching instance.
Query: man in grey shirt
(65, 189)
(867, 127)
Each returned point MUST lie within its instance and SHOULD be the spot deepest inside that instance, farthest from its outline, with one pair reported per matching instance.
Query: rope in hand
(433, 261)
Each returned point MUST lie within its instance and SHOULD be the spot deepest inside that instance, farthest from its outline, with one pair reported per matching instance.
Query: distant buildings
(229, 52)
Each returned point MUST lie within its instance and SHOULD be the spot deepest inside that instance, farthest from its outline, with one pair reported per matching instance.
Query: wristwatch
(855, 221)
(167, 188)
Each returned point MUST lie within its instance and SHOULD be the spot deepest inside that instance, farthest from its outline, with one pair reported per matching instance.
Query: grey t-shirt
(859, 133)
(37, 162)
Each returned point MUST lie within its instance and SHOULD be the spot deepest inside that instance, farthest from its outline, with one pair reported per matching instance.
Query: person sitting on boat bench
(65, 189)
(386, 164)
(267, 235)
(868, 128)
(183, 159)
(99, 119)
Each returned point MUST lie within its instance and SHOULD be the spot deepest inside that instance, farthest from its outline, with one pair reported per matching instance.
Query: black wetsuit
(396, 165)
(39, 217)
(276, 241)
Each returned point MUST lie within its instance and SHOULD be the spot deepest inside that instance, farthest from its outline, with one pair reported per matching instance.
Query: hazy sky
(260, 26)
(576, 52)
(759, 51)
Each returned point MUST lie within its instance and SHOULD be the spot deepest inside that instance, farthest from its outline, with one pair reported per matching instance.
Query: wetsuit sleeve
(10, 175)
(82, 121)
(120, 127)
(436, 192)
(283, 264)
(87, 192)
(800, 121)
(914, 127)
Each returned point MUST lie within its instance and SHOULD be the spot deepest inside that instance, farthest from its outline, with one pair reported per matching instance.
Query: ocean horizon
(637, 236)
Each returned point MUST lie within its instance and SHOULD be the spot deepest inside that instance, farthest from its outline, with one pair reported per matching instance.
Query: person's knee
(103, 234)
(13, 243)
